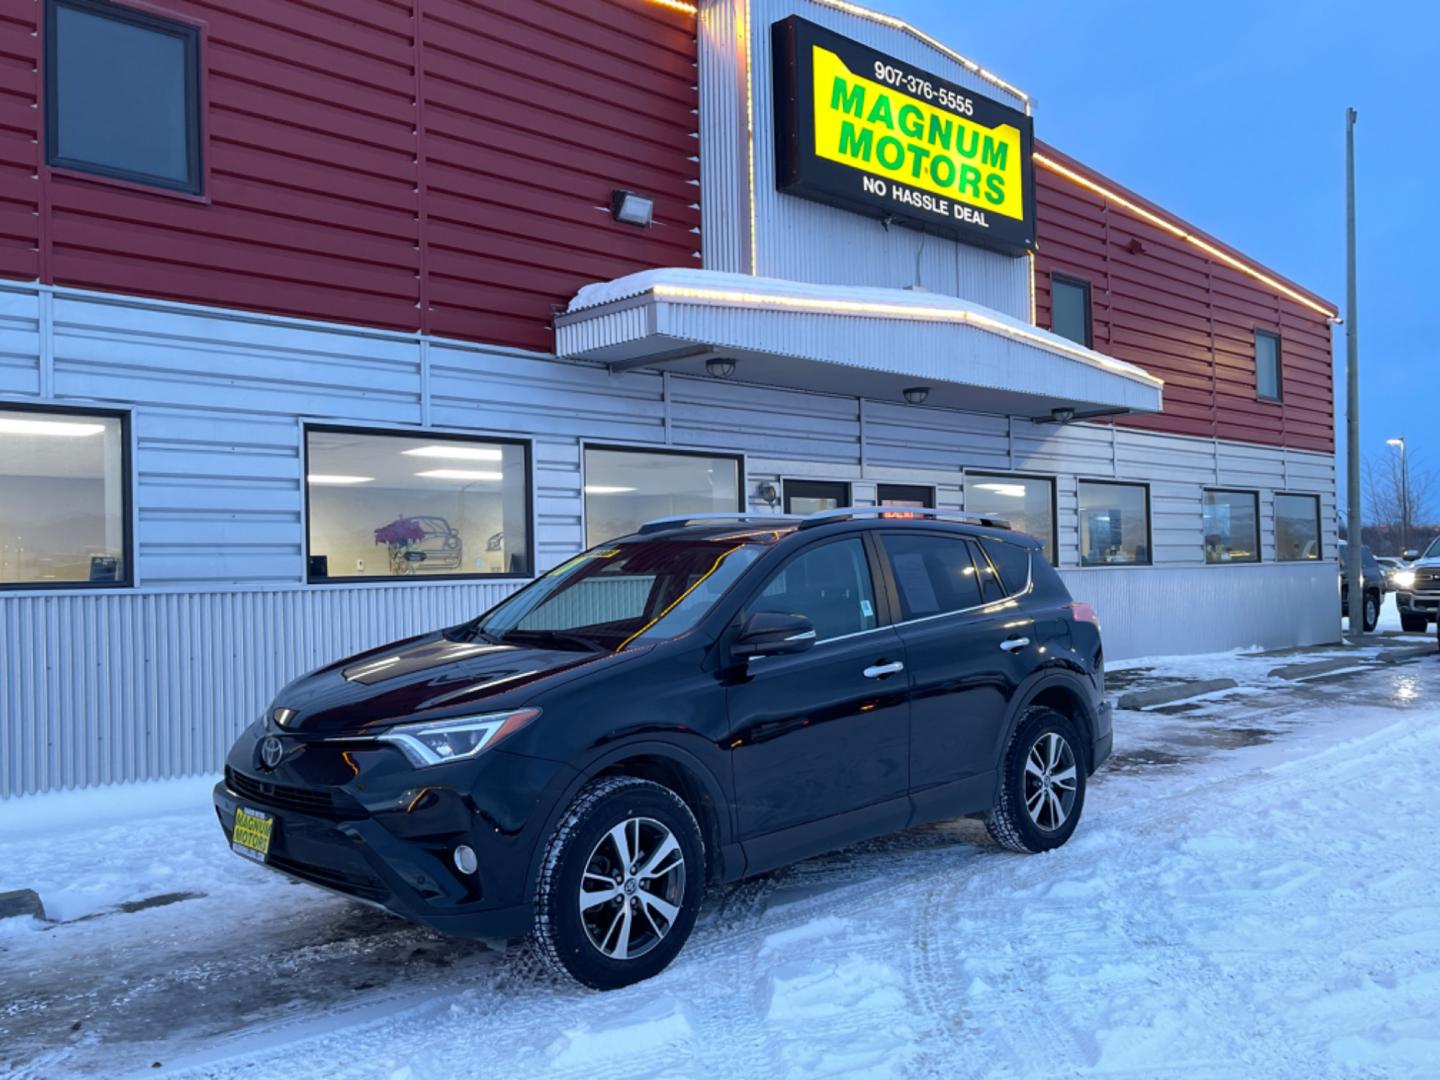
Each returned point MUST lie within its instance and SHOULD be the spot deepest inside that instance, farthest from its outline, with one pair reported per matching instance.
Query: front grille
(316, 801)
(365, 888)
(1427, 579)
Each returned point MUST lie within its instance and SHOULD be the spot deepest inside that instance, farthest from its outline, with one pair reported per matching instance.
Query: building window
(912, 496)
(387, 505)
(1267, 366)
(64, 518)
(812, 496)
(1070, 308)
(122, 94)
(1114, 523)
(1027, 502)
(626, 488)
(1232, 526)
(1297, 527)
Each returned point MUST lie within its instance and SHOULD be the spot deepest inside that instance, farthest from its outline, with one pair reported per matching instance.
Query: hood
(426, 676)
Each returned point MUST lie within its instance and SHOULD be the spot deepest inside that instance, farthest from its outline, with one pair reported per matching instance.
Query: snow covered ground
(1253, 892)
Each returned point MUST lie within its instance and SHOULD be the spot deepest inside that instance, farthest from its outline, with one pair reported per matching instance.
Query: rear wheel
(1042, 789)
(1372, 611)
(1414, 624)
(621, 883)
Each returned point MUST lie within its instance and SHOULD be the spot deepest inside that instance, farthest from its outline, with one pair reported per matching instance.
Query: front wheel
(1413, 624)
(621, 883)
(1042, 787)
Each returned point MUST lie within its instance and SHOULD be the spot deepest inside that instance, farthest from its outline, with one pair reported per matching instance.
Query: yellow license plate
(251, 836)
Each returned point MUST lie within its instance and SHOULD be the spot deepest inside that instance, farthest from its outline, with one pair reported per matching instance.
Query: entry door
(962, 648)
(825, 732)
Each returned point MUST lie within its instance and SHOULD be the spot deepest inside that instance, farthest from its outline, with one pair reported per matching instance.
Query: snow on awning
(858, 341)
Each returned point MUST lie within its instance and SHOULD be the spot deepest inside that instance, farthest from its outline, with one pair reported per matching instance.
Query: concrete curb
(21, 902)
(1316, 667)
(1396, 656)
(1166, 695)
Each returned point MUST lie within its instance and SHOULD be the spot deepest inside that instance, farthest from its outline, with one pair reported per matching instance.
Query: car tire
(631, 930)
(1032, 816)
(1371, 614)
(1414, 624)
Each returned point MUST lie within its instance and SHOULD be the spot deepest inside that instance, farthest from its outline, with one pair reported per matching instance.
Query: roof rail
(844, 513)
(678, 520)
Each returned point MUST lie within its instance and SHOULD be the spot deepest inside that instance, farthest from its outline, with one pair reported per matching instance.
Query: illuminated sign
(863, 131)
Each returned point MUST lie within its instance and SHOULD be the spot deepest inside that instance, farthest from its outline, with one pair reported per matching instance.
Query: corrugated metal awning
(863, 342)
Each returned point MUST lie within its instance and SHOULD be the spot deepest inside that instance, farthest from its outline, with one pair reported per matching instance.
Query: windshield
(610, 596)
(1433, 551)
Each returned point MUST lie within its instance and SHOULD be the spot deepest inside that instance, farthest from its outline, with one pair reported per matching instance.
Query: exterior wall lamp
(632, 209)
(720, 367)
(916, 395)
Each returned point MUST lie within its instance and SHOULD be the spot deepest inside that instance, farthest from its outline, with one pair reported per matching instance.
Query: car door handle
(1014, 643)
(879, 671)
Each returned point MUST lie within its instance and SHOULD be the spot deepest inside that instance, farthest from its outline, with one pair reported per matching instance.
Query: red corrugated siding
(419, 164)
(1185, 317)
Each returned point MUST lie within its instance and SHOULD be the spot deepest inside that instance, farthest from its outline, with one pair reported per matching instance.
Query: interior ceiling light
(458, 453)
(721, 367)
(62, 428)
(606, 489)
(916, 395)
(337, 479)
(632, 209)
(1013, 491)
(461, 474)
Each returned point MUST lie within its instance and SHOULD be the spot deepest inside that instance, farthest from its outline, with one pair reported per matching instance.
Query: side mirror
(773, 633)
(1411, 554)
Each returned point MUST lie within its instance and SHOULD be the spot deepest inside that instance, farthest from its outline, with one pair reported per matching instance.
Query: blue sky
(1233, 116)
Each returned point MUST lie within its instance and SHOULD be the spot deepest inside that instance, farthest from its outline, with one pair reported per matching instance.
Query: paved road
(229, 966)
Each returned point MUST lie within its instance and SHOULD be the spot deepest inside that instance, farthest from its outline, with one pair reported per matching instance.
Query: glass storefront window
(626, 488)
(63, 513)
(1232, 526)
(912, 496)
(1114, 523)
(400, 505)
(1297, 527)
(1027, 502)
(813, 496)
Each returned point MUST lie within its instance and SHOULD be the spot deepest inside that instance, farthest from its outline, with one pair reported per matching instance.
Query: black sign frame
(800, 171)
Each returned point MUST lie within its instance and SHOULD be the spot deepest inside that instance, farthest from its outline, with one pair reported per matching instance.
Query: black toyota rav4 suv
(701, 701)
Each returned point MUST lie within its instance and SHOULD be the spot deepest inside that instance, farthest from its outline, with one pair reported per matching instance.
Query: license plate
(251, 836)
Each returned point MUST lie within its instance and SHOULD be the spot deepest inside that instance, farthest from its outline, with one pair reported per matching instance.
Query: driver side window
(830, 585)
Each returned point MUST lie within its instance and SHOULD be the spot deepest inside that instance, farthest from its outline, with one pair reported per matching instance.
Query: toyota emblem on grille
(271, 751)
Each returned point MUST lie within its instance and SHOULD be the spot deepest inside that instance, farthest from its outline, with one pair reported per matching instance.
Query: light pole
(1404, 495)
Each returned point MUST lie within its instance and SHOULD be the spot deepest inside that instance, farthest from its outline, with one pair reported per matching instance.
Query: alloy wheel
(632, 888)
(1050, 781)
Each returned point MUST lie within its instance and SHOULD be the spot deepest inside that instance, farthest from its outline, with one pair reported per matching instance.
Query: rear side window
(1013, 562)
(933, 574)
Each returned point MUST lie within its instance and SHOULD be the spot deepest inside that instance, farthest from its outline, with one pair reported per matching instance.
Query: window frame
(1273, 335)
(786, 493)
(1319, 524)
(928, 499)
(1149, 523)
(193, 32)
(1084, 285)
(1053, 481)
(420, 434)
(741, 476)
(127, 499)
(1255, 500)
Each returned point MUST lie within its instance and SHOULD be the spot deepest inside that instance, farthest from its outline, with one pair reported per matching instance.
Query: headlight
(1404, 579)
(438, 741)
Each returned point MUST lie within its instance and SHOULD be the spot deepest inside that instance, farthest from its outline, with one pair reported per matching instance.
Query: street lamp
(1404, 495)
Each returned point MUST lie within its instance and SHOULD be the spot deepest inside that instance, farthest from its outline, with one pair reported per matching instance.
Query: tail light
(1083, 612)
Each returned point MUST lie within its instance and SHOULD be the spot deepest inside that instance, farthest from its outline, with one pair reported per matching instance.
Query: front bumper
(387, 836)
(1413, 603)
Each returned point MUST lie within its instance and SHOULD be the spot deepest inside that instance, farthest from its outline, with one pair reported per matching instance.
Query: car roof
(774, 527)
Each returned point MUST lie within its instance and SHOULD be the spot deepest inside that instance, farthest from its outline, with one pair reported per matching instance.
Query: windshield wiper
(556, 637)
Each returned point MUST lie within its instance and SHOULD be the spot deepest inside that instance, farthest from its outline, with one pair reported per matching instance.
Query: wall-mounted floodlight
(632, 209)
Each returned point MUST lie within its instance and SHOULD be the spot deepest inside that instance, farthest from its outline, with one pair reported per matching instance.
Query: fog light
(465, 860)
